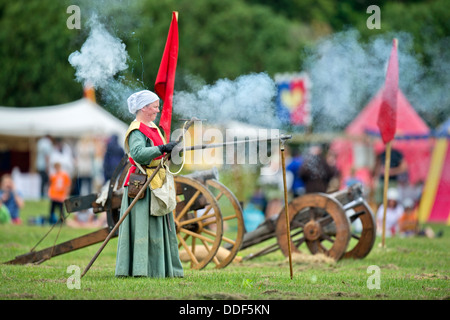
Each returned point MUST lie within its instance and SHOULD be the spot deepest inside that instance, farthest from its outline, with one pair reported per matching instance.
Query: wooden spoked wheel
(317, 220)
(198, 221)
(233, 223)
(363, 229)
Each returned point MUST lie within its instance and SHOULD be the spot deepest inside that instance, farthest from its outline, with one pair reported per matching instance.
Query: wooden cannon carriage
(326, 223)
(198, 219)
(322, 221)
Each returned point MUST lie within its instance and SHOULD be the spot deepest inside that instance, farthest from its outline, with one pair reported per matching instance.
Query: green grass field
(409, 269)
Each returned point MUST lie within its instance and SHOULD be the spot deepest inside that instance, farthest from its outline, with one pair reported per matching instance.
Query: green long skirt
(147, 245)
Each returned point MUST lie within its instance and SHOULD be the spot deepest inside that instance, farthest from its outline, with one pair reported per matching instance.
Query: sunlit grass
(410, 268)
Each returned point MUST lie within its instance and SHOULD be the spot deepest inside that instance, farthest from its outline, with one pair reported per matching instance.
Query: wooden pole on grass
(387, 122)
(387, 166)
(288, 229)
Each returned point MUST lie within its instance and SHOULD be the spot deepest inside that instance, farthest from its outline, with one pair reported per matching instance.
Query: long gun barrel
(226, 143)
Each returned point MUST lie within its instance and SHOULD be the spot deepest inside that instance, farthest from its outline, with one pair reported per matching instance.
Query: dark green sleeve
(139, 150)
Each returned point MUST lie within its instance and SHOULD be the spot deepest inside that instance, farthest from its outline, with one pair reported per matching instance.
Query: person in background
(59, 190)
(398, 170)
(5, 216)
(315, 171)
(394, 212)
(63, 154)
(353, 179)
(44, 149)
(85, 154)
(298, 186)
(254, 211)
(11, 198)
(335, 181)
(114, 153)
(409, 223)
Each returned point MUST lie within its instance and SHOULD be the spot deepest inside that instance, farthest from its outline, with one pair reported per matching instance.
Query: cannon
(322, 221)
(326, 223)
(198, 219)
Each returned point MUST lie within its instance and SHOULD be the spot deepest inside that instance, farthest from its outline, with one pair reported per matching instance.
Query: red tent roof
(409, 122)
(410, 126)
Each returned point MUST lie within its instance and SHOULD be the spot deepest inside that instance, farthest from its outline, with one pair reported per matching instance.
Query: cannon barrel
(204, 175)
(348, 194)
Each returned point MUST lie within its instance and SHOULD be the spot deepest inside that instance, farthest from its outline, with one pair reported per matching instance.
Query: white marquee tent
(74, 119)
(21, 127)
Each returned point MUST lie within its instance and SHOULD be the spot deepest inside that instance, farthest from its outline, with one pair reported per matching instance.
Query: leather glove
(167, 147)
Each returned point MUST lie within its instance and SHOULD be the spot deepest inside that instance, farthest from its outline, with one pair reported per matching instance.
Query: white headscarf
(140, 99)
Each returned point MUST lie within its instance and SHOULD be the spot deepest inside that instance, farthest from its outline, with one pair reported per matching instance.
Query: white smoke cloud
(99, 63)
(248, 98)
(100, 58)
(346, 73)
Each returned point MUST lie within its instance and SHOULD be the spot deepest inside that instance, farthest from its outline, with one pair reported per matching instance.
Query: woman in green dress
(147, 244)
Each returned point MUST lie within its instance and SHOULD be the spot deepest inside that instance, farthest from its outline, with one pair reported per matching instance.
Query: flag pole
(165, 78)
(288, 229)
(387, 166)
(387, 122)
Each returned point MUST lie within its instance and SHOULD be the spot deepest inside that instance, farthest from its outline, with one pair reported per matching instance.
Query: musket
(179, 148)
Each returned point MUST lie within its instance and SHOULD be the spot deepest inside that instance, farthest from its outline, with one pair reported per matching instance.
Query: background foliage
(218, 39)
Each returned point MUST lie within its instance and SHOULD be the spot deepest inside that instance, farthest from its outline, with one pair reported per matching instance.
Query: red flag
(387, 117)
(165, 79)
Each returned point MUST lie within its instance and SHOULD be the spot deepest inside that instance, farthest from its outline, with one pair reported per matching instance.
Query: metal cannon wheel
(232, 239)
(198, 222)
(363, 229)
(317, 220)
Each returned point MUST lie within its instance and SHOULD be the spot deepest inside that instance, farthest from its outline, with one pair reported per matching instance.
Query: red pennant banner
(387, 117)
(165, 79)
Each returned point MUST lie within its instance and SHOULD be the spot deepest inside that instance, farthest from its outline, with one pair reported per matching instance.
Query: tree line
(218, 39)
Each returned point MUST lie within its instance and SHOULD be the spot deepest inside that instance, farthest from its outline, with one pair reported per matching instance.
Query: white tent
(73, 119)
(21, 127)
